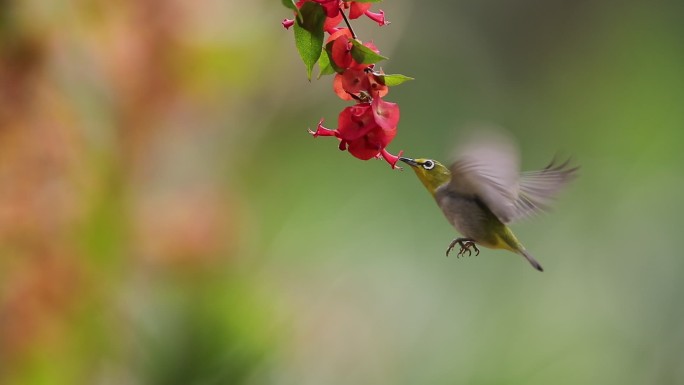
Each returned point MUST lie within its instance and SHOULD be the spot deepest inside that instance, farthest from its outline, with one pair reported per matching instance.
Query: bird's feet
(466, 245)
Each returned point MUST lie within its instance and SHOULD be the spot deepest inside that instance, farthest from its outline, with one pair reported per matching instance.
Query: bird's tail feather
(531, 259)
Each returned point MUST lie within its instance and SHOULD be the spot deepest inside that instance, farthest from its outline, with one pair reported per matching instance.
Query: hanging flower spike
(366, 128)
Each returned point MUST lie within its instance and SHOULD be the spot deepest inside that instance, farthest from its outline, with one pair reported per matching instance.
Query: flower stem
(346, 21)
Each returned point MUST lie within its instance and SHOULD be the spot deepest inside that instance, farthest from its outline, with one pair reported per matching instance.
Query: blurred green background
(165, 218)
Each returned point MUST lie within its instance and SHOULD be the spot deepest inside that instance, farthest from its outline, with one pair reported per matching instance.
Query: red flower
(391, 159)
(365, 129)
(341, 50)
(372, 145)
(333, 13)
(378, 17)
(287, 23)
(355, 121)
(354, 82)
(368, 127)
(358, 9)
(385, 114)
(376, 88)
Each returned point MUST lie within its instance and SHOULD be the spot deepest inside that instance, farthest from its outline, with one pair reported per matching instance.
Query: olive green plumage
(483, 190)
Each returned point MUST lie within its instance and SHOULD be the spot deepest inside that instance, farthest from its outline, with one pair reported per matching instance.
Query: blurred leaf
(364, 55)
(309, 34)
(290, 4)
(213, 332)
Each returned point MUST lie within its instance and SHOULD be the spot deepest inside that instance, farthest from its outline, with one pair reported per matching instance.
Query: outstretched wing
(538, 189)
(488, 168)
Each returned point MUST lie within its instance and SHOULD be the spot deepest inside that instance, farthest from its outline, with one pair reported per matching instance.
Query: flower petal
(378, 17)
(386, 114)
(339, 89)
(361, 148)
(322, 131)
(355, 121)
(376, 89)
(381, 137)
(287, 23)
(331, 23)
(338, 33)
(341, 51)
(391, 159)
(357, 9)
(355, 81)
(332, 7)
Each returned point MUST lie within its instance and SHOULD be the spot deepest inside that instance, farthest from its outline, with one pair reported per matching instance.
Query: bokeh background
(165, 218)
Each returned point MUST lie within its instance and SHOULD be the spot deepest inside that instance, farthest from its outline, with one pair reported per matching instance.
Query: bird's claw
(466, 245)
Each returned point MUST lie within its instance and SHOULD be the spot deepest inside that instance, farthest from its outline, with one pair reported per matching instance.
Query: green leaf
(324, 66)
(364, 55)
(290, 4)
(394, 79)
(308, 34)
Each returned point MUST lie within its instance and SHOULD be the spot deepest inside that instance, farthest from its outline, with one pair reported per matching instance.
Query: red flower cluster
(334, 9)
(366, 128)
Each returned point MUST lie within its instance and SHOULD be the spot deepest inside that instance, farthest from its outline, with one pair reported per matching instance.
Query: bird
(483, 191)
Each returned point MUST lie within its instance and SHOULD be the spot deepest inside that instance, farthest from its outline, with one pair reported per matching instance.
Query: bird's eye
(428, 165)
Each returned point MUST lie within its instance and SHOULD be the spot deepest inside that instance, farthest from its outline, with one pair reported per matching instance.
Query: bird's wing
(488, 168)
(537, 189)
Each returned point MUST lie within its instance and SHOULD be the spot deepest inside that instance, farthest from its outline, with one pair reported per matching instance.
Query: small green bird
(483, 190)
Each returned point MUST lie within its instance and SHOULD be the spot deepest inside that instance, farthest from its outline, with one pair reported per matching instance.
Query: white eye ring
(428, 165)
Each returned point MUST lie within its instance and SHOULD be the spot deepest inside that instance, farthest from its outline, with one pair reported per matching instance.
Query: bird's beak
(408, 161)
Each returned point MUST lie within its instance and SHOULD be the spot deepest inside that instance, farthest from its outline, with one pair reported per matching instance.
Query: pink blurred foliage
(56, 171)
